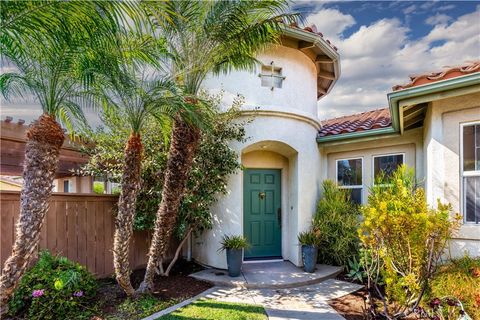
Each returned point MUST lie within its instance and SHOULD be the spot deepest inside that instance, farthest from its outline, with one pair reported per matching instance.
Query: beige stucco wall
(276, 141)
(298, 94)
(282, 135)
(77, 184)
(410, 144)
(442, 161)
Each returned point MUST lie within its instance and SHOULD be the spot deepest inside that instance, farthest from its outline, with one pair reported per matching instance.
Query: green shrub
(309, 238)
(55, 288)
(460, 278)
(336, 221)
(405, 238)
(234, 242)
(98, 187)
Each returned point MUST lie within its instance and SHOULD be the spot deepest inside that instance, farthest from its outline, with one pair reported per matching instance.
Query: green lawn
(215, 310)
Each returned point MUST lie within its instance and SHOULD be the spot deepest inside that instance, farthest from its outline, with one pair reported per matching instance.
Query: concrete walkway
(282, 274)
(301, 303)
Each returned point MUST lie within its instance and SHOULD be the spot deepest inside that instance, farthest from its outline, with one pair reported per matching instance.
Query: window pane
(66, 186)
(356, 195)
(277, 82)
(469, 149)
(472, 199)
(349, 172)
(386, 164)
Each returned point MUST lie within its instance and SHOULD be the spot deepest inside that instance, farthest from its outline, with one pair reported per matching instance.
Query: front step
(268, 275)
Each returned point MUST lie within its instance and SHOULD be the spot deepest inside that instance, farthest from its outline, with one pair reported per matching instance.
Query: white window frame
(272, 76)
(385, 155)
(361, 187)
(475, 173)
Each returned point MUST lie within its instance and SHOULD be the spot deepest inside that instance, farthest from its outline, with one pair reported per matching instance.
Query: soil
(178, 286)
(351, 306)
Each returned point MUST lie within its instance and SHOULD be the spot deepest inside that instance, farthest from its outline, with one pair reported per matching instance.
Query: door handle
(279, 217)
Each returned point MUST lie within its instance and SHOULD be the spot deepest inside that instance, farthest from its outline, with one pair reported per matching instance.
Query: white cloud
(446, 7)
(381, 55)
(410, 9)
(331, 22)
(439, 18)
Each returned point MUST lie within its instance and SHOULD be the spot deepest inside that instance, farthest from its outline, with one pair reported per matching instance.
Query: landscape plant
(336, 220)
(235, 242)
(54, 288)
(459, 281)
(48, 44)
(212, 166)
(123, 85)
(203, 37)
(405, 238)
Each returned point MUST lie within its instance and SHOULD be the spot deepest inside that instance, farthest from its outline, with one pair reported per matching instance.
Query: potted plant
(234, 246)
(309, 241)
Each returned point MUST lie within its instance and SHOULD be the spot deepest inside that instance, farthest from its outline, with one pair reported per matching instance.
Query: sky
(381, 43)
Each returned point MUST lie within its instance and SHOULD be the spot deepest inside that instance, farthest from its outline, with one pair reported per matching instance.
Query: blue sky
(380, 43)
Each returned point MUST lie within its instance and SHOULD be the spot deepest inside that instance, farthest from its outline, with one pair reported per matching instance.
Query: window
(387, 164)
(349, 176)
(470, 164)
(66, 185)
(271, 76)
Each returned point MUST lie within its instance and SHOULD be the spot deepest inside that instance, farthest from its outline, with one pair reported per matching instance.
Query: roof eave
(395, 97)
(322, 45)
(356, 135)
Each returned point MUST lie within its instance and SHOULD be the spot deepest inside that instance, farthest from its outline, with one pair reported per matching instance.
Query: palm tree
(138, 99)
(129, 82)
(204, 37)
(49, 44)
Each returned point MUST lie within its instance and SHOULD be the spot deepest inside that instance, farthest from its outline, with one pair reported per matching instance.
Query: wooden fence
(78, 226)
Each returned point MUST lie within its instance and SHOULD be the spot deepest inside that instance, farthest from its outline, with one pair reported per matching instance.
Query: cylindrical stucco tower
(274, 197)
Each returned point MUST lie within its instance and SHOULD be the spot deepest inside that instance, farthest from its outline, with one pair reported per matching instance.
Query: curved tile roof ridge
(448, 73)
(367, 120)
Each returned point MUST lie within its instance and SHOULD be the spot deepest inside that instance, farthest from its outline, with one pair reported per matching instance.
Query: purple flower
(78, 293)
(435, 303)
(451, 302)
(38, 293)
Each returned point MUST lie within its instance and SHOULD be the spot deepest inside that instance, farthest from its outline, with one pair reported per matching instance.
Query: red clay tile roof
(369, 120)
(447, 73)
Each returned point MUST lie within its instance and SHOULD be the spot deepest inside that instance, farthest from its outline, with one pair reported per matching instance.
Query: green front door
(262, 212)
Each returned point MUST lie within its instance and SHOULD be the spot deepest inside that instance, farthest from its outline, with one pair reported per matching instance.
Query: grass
(207, 309)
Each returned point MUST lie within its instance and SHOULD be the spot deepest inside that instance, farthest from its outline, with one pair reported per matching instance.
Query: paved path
(301, 303)
(270, 275)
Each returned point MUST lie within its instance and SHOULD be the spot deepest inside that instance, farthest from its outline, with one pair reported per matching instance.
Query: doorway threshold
(263, 260)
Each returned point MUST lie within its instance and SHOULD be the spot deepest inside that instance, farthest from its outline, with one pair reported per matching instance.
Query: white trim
(361, 187)
(470, 173)
(385, 155)
(263, 261)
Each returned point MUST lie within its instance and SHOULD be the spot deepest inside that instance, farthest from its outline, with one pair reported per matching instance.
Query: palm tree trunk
(184, 143)
(44, 140)
(126, 212)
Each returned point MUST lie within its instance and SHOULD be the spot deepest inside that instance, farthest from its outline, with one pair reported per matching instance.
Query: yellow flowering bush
(405, 237)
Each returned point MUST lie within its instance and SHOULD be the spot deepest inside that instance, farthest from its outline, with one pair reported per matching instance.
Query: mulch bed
(350, 306)
(177, 286)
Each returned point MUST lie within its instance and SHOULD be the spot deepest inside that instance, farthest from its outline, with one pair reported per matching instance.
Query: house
(12, 153)
(432, 124)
